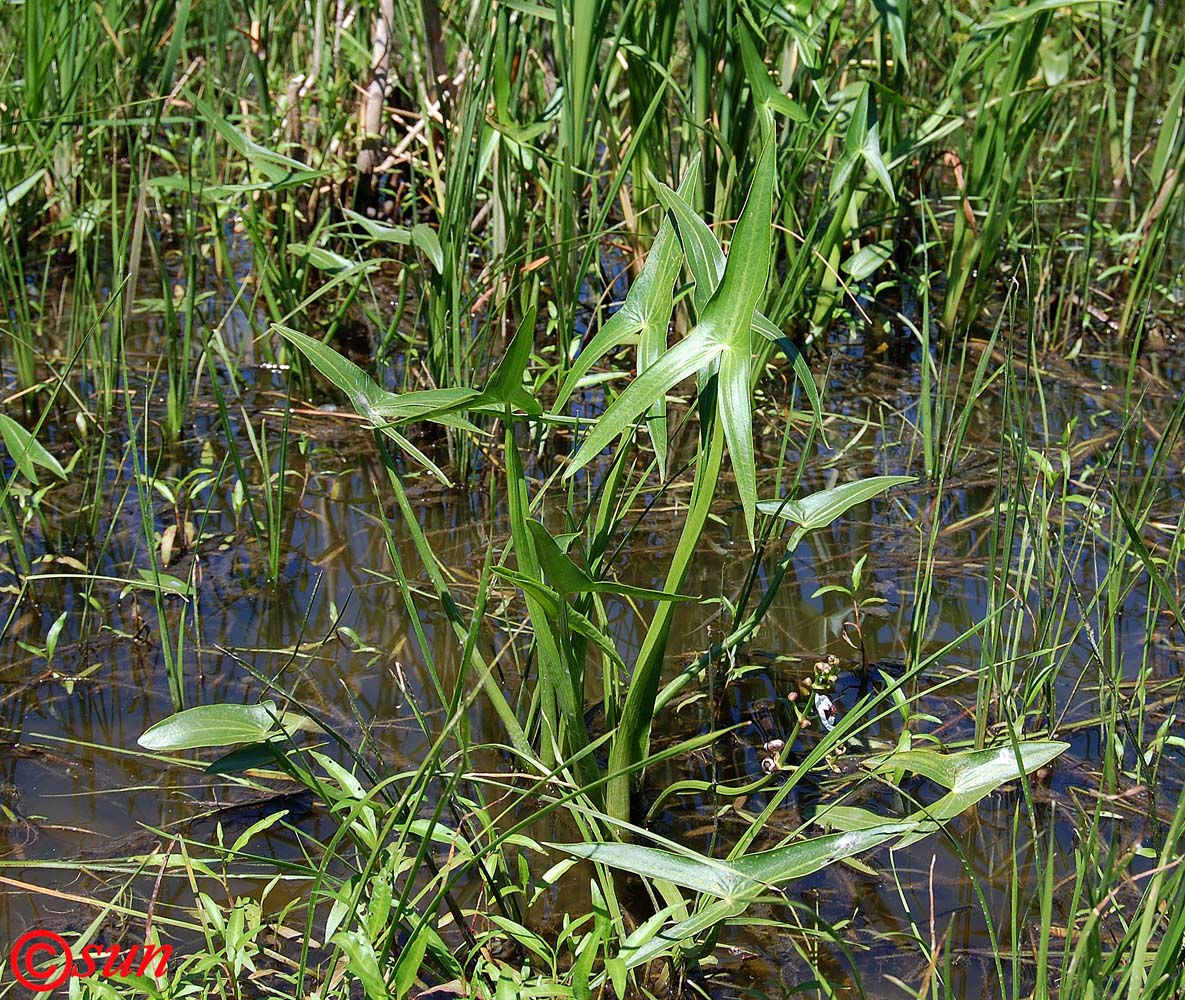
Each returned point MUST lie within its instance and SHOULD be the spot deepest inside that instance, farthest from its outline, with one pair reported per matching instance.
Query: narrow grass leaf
(568, 578)
(677, 935)
(1163, 588)
(559, 677)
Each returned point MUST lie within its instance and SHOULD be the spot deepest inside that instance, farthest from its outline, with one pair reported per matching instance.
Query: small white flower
(828, 711)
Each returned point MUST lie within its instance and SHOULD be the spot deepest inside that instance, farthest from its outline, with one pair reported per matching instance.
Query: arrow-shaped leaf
(725, 328)
(735, 885)
(728, 320)
(970, 774)
(26, 451)
(762, 86)
(688, 356)
(505, 386)
(818, 510)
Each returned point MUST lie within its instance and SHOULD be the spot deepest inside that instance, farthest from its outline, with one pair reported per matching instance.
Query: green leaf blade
(686, 357)
(818, 510)
(212, 726)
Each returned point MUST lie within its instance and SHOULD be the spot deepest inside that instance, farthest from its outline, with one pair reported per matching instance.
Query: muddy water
(335, 632)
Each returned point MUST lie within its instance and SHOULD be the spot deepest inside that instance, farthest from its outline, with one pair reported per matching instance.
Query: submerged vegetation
(595, 498)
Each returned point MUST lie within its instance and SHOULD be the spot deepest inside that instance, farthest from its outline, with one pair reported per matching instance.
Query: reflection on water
(336, 633)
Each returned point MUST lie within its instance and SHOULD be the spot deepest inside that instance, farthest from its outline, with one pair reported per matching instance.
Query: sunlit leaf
(867, 260)
(688, 356)
(743, 878)
(862, 145)
(646, 313)
(818, 510)
(280, 171)
(891, 13)
(422, 236)
(735, 885)
(505, 386)
(161, 581)
(26, 451)
(333, 263)
(380, 232)
(970, 774)
(724, 332)
(802, 370)
(695, 872)
(705, 258)
(364, 394)
(546, 605)
(805, 857)
(428, 243)
(10, 196)
(381, 408)
(762, 86)
(362, 962)
(845, 819)
(213, 726)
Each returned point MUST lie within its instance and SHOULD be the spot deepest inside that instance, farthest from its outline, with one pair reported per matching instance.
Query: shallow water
(335, 632)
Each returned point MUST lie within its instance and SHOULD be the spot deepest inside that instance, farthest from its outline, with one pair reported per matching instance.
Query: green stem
(633, 734)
